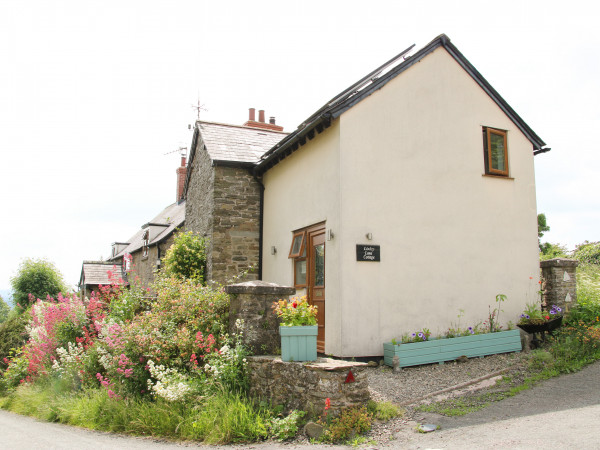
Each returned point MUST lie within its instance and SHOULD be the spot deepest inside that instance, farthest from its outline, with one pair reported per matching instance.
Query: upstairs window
(495, 151)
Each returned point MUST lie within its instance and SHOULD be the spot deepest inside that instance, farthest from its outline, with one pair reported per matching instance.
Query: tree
(542, 225)
(38, 277)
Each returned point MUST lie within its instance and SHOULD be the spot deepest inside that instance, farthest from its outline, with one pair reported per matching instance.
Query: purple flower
(527, 316)
(420, 334)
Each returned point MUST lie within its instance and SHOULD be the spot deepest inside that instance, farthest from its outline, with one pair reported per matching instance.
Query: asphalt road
(561, 413)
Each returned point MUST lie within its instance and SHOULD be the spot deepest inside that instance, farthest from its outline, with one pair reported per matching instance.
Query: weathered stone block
(296, 385)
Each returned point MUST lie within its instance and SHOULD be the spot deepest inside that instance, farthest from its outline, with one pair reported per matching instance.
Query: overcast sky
(96, 97)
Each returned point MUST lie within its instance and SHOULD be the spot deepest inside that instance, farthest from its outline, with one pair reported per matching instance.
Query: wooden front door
(316, 279)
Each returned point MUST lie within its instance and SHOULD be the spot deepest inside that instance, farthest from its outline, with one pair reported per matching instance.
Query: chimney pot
(261, 115)
(181, 175)
(272, 120)
(252, 115)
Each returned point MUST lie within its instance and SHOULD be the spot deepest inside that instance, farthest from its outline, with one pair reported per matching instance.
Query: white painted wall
(303, 190)
(406, 165)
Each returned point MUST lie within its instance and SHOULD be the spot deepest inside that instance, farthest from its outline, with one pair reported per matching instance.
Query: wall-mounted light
(329, 234)
(273, 250)
(369, 236)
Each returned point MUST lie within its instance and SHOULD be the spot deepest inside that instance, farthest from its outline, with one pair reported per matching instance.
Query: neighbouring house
(143, 251)
(223, 198)
(99, 273)
(406, 201)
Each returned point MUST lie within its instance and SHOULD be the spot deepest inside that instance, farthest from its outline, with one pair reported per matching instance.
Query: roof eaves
(230, 163)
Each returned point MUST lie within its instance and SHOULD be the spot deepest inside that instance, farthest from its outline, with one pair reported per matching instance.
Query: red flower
(327, 403)
(295, 304)
(547, 317)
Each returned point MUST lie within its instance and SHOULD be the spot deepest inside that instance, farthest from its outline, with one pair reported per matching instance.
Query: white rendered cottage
(405, 199)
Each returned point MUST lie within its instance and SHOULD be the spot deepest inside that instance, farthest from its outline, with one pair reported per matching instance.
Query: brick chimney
(181, 174)
(251, 122)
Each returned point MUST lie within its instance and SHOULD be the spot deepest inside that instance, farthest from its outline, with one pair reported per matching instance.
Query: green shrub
(383, 410)
(13, 335)
(37, 277)
(351, 422)
(129, 302)
(283, 428)
(588, 253)
(186, 258)
(550, 251)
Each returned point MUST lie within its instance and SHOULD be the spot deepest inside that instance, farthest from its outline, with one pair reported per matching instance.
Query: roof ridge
(241, 126)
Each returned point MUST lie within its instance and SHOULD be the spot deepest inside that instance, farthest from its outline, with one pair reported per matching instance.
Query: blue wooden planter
(440, 350)
(299, 343)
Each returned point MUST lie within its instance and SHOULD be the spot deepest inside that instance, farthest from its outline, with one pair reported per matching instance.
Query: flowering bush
(169, 384)
(295, 312)
(53, 324)
(228, 367)
(182, 309)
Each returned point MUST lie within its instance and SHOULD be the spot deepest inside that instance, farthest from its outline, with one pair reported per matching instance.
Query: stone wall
(559, 283)
(236, 223)
(145, 266)
(252, 302)
(199, 204)
(305, 386)
(223, 204)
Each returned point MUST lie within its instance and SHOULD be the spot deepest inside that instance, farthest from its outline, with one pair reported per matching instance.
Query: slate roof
(374, 81)
(173, 216)
(96, 272)
(234, 143)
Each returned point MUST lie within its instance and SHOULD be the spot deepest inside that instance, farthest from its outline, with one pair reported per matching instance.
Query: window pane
(320, 265)
(498, 153)
(300, 267)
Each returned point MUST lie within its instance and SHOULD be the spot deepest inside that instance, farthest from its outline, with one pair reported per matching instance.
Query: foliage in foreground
(216, 419)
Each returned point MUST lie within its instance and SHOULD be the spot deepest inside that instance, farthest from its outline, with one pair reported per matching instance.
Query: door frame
(316, 294)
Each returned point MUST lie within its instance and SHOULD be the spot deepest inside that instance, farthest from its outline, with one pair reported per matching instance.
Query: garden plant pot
(299, 343)
(440, 350)
(542, 329)
(551, 325)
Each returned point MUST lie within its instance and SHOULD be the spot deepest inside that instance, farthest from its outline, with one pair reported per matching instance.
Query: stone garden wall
(305, 386)
(252, 302)
(559, 279)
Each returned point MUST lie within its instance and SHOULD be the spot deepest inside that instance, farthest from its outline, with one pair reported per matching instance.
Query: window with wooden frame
(298, 254)
(495, 151)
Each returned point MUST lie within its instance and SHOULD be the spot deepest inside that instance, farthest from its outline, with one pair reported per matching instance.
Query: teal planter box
(299, 343)
(440, 350)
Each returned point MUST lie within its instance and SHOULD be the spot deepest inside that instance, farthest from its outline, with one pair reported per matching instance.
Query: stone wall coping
(559, 262)
(326, 364)
(259, 287)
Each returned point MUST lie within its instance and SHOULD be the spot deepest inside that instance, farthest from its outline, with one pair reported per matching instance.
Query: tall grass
(218, 419)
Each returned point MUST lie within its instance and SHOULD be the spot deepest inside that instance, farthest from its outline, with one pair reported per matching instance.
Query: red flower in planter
(295, 304)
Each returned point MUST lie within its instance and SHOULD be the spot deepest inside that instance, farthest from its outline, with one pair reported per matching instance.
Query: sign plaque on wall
(368, 253)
